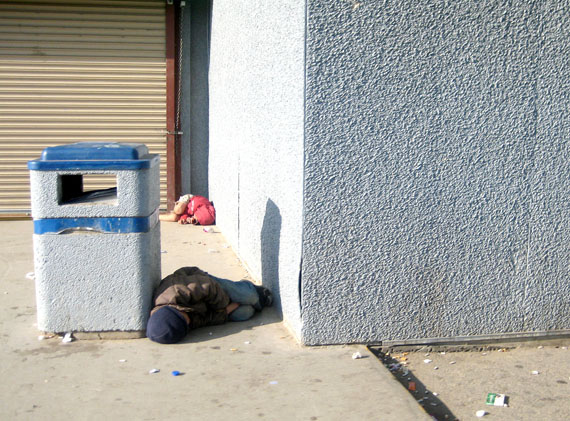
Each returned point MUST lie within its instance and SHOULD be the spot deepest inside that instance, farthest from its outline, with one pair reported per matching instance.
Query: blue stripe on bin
(116, 225)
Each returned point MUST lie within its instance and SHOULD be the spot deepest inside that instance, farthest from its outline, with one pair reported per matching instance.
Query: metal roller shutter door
(75, 71)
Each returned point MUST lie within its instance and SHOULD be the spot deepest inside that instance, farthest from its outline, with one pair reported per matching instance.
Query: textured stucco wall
(256, 138)
(186, 111)
(194, 100)
(436, 169)
(95, 282)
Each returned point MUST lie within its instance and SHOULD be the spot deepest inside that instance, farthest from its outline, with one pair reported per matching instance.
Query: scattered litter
(154, 370)
(176, 373)
(213, 251)
(209, 229)
(503, 350)
(484, 353)
(436, 368)
(405, 371)
(356, 356)
(433, 404)
(435, 394)
(427, 361)
(497, 399)
(535, 372)
(233, 349)
(564, 347)
(426, 355)
(31, 276)
(163, 251)
(481, 413)
(394, 366)
(540, 347)
(122, 361)
(412, 386)
(42, 337)
(273, 382)
(419, 400)
(442, 353)
(452, 362)
(67, 338)
(247, 342)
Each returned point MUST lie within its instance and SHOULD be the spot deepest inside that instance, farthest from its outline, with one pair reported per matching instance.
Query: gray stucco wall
(256, 138)
(436, 169)
(194, 98)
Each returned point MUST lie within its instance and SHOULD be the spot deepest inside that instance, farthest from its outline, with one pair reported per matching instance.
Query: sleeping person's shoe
(265, 296)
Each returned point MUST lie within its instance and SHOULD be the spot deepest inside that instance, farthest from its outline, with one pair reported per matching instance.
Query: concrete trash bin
(96, 252)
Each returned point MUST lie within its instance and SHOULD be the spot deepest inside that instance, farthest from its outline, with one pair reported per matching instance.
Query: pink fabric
(202, 209)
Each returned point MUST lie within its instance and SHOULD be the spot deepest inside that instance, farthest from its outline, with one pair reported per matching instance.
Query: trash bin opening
(87, 189)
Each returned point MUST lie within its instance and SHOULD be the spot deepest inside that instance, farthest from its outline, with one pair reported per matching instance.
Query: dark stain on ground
(266, 353)
(214, 347)
(58, 349)
(561, 382)
(429, 402)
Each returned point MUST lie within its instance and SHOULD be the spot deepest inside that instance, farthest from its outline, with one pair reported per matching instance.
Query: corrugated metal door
(75, 71)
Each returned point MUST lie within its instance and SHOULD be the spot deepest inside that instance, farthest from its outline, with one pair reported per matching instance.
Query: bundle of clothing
(191, 209)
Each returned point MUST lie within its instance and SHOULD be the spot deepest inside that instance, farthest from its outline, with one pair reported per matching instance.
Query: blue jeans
(244, 293)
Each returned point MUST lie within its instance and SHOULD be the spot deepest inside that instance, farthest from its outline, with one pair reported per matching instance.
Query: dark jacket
(195, 293)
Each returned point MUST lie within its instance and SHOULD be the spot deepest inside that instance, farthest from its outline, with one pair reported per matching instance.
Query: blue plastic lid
(94, 155)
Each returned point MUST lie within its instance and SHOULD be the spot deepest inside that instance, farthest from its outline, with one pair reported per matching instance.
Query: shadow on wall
(199, 64)
(270, 242)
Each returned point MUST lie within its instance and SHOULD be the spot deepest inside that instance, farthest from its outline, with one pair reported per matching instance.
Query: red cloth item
(202, 209)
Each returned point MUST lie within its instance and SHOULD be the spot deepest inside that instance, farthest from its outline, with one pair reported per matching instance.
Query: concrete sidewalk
(239, 371)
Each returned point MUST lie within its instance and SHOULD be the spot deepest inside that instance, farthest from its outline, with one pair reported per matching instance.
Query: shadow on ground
(427, 399)
(204, 334)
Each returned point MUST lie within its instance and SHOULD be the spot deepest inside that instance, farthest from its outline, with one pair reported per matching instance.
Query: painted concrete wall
(194, 98)
(437, 170)
(256, 99)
